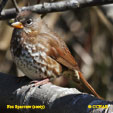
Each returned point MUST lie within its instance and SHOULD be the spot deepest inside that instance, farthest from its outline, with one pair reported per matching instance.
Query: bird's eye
(29, 21)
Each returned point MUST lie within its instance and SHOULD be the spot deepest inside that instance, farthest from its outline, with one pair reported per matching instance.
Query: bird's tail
(77, 79)
(88, 88)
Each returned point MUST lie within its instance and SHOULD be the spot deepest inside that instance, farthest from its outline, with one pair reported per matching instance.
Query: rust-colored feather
(59, 51)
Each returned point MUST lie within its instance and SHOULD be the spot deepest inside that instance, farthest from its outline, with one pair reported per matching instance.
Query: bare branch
(55, 99)
(2, 4)
(16, 6)
(55, 7)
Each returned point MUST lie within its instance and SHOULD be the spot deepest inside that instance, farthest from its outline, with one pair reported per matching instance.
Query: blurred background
(88, 33)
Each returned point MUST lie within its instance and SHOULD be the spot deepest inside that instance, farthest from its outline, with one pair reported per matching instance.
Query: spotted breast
(32, 58)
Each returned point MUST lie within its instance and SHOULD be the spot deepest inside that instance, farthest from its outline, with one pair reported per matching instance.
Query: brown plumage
(40, 53)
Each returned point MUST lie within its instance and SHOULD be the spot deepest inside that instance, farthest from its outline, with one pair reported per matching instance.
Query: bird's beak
(17, 25)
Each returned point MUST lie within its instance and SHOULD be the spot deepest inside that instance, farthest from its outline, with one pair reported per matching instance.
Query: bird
(41, 54)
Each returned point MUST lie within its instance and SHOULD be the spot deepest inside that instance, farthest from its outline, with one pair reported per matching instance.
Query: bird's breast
(33, 60)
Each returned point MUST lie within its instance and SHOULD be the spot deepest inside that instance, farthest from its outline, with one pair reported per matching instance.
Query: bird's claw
(39, 83)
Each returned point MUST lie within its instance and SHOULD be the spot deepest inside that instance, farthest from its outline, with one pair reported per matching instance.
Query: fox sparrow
(40, 53)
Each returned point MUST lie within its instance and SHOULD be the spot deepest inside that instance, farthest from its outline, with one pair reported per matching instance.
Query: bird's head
(28, 21)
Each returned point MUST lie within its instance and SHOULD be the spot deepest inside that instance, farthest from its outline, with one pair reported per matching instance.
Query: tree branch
(55, 7)
(16, 6)
(2, 4)
(55, 99)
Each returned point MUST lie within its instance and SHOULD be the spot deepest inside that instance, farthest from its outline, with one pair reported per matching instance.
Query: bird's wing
(59, 51)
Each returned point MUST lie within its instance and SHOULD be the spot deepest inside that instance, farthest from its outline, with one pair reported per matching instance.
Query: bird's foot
(39, 83)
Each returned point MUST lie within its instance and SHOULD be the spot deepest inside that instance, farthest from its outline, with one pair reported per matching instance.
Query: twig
(2, 4)
(16, 6)
(105, 19)
(55, 7)
(55, 99)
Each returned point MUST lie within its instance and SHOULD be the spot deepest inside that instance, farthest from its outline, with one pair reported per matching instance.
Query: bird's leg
(39, 83)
